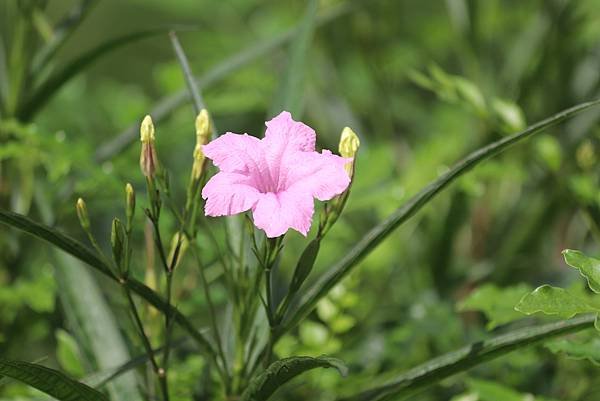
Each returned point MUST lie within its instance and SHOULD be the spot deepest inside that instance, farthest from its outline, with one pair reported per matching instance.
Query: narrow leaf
(370, 240)
(553, 301)
(305, 264)
(198, 102)
(49, 381)
(447, 365)
(284, 370)
(291, 89)
(83, 253)
(587, 266)
(56, 81)
(163, 108)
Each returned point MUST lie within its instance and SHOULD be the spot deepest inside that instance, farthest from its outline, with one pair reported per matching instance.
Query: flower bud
(82, 214)
(179, 244)
(117, 240)
(148, 159)
(349, 144)
(130, 204)
(203, 131)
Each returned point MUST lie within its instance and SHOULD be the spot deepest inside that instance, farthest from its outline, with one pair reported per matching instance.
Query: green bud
(130, 204)
(117, 241)
(82, 214)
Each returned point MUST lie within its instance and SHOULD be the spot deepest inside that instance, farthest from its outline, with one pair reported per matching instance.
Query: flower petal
(275, 213)
(229, 193)
(283, 131)
(320, 174)
(234, 152)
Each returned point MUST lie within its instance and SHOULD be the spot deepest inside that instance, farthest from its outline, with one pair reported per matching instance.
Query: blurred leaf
(81, 252)
(487, 390)
(291, 89)
(444, 366)
(587, 266)
(371, 239)
(282, 371)
(553, 301)
(498, 304)
(56, 81)
(510, 115)
(68, 353)
(49, 381)
(577, 349)
(198, 102)
(88, 310)
(548, 149)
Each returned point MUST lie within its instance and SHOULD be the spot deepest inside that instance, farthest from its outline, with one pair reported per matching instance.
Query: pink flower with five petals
(276, 177)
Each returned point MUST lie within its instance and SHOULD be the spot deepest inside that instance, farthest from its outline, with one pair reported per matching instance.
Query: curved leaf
(83, 253)
(370, 240)
(587, 266)
(49, 381)
(440, 368)
(284, 370)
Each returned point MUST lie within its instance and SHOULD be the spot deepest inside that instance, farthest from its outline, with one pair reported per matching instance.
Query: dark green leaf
(81, 252)
(305, 264)
(587, 266)
(49, 381)
(553, 301)
(282, 371)
(467, 357)
(42, 94)
(371, 239)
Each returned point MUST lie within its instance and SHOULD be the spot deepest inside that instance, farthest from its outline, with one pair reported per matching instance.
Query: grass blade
(167, 105)
(83, 253)
(198, 102)
(49, 381)
(338, 271)
(467, 357)
(41, 95)
(290, 93)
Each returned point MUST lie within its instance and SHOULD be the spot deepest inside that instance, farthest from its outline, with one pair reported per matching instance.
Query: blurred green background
(422, 83)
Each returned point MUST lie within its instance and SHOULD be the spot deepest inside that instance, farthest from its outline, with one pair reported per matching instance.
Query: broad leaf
(374, 237)
(498, 304)
(49, 381)
(282, 371)
(440, 368)
(587, 266)
(577, 348)
(553, 301)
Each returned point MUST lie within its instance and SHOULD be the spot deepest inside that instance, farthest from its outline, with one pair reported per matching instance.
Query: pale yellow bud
(82, 214)
(349, 143)
(130, 203)
(147, 130)
(203, 132)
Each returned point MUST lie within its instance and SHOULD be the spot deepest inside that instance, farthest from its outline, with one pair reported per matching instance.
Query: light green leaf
(370, 240)
(282, 371)
(587, 266)
(49, 381)
(553, 301)
(68, 353)
(498, 304)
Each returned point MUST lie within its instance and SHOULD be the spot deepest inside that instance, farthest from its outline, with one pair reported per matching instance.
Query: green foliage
(553, 301)
(588, 267)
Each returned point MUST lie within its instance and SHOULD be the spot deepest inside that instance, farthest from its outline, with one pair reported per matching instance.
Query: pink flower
(276, 177)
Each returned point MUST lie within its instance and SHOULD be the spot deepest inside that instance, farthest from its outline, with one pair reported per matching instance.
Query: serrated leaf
(49, 381)
(498, 304)
(282, 371)
(370, 240)
(587, 266)
(553, 301)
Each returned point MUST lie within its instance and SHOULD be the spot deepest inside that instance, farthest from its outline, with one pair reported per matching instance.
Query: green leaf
(198, 102)
(305, 264)
(577, 349)
(447, 365)
(83, 253)
(587, 266)
(282, 371)
(163, 109)
(498, 304)
(56, 81)
(68, 353)
(291, 89)
(374, 237)
(487, 390)
(49, 381)
(553, 301)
